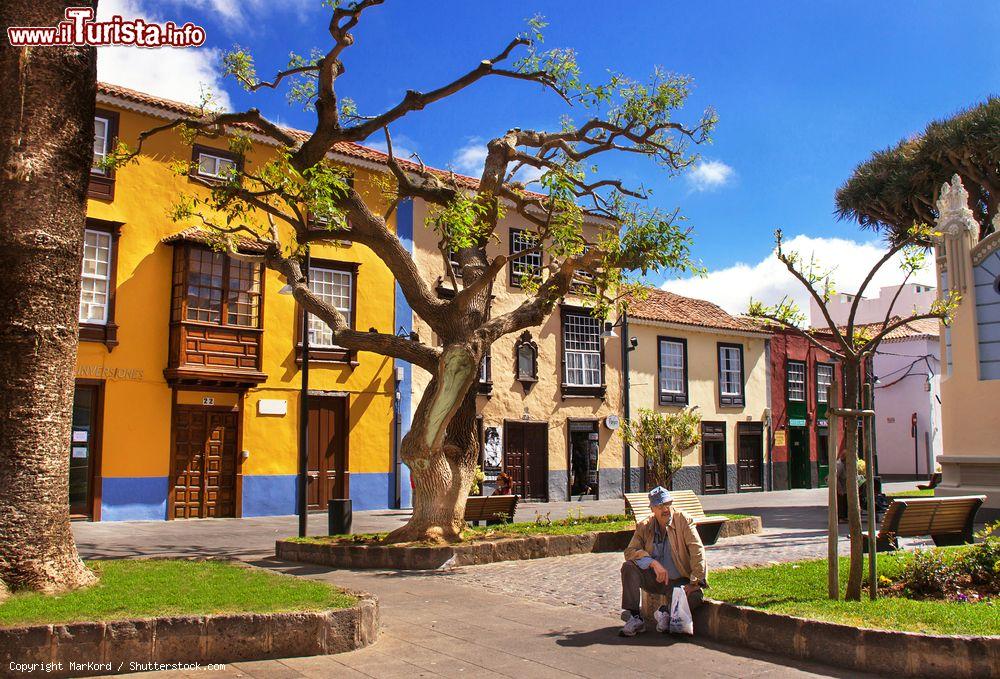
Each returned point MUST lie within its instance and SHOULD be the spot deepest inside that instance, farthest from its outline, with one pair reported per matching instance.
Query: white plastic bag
(680, 613)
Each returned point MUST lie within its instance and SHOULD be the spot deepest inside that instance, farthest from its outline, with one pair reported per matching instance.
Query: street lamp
(301, 502)
(627, 348)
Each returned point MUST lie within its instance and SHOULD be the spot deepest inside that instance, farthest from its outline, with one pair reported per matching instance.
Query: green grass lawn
(151, 588)
(916, 492)
(800, 589)
(569, 526)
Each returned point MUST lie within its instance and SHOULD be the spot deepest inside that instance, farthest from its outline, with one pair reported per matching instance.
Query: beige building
(692, 353)
(545, 394)
(970, 383)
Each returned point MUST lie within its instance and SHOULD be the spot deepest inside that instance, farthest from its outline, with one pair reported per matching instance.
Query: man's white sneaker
(634, 626)
(662, 616)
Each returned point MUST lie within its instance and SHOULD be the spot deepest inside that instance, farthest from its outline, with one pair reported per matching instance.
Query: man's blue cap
(659, 496)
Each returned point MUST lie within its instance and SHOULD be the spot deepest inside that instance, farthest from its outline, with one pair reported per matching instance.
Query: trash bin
(340, 517)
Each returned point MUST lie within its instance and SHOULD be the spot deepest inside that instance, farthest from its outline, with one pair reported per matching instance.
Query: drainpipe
(396, 463)
(626, 405)
(304, 414)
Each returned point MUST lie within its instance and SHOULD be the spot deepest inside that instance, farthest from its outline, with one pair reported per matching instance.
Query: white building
(912, 297)
(907, 401)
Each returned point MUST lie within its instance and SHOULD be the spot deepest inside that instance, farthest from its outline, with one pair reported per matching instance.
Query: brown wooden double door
(526, 458)
(713, 457)
(203, 473)
(328, 477)
(750, 455)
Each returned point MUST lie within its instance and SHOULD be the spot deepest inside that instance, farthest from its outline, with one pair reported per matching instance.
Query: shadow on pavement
(609, 636)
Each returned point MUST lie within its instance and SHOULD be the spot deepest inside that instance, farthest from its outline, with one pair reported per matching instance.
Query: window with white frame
(525, 265)
(673, 371)
(731, 374)
(335, 288)
(215, 167)
(824, 378)
(796, 372)
(102, 130)
(581, 350)
(96, 284)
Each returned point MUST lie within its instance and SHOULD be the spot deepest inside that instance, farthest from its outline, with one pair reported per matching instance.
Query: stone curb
(113, 646)
(732, 528)
(392, 557)
(884, 652)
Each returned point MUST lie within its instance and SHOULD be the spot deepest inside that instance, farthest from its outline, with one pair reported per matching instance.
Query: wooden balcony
(203, 354)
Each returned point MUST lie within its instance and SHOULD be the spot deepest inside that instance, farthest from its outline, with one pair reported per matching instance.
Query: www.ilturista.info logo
(79, 28)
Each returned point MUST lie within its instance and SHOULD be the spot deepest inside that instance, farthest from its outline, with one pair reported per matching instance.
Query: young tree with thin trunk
(853, 345)
(620, 116)
(46, 141)
(662, 439)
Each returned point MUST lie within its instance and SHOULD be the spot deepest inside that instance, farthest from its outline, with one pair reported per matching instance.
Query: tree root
(433, 534)
(49, 576)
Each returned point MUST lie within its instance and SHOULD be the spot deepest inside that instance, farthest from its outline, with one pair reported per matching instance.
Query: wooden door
(204, 463)
(84, 450)
(327, 473)
(526, 458)
(798, 457)
(713, 457)
(750, 455)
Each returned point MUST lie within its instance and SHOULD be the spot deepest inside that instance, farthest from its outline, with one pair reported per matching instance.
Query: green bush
(982, 562)
(929, 574)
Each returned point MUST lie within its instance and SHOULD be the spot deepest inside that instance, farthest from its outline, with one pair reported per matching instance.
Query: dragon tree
(274, 205)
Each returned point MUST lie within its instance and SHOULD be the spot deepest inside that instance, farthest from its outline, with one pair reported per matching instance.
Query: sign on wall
(492, 452)
(779, 437)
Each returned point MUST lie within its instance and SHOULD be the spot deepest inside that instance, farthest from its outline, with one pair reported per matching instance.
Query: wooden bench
(930, 485)
(490, 509)
(948, 520)
(637, 506)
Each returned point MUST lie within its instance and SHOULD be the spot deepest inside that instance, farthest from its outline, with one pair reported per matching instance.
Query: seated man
(665, 552)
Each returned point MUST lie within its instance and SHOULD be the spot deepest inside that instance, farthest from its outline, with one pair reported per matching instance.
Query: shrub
(982, 561)
(929, 574)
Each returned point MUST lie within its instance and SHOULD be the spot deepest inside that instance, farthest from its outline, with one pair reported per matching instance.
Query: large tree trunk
(46, 141)
(856, 570)
(442, 464)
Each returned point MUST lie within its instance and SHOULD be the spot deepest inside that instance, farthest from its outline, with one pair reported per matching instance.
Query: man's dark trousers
(635, 578)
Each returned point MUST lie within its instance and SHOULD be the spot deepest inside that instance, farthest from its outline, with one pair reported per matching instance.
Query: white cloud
(402, 147)
(470, 158)
(166, 72)
(769, 280)
(708, 175)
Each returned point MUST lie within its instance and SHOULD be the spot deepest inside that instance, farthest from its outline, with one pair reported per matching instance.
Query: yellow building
(970, 385)
(550, 396)
(691, 353)
(187, 401)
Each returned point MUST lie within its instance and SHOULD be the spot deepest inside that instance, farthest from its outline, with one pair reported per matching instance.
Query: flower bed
(505, 542)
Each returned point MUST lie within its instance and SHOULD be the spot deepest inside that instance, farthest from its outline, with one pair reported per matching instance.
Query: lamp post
(627, 348)
(303, 467)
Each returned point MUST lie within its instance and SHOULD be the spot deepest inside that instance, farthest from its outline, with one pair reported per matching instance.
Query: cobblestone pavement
(592, 581)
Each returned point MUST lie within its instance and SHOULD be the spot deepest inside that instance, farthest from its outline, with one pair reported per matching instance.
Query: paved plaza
(553, 617)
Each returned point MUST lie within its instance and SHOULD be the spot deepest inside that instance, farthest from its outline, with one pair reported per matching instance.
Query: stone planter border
(732, 528)
(112, 646)
(394, 557)
(884, 652)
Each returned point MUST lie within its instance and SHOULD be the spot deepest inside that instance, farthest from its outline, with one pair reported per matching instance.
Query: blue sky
(804, 90)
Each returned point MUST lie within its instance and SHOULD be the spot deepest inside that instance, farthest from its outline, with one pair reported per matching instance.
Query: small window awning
(203, 236)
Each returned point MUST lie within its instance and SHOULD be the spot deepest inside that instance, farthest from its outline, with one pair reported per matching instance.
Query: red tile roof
(668, 307)
(346, 148)
(196, 234)
(925, 327)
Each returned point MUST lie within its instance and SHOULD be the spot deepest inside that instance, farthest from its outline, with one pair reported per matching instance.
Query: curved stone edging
(732, 528)
(885, 652)
(113, 646)
(395, 557)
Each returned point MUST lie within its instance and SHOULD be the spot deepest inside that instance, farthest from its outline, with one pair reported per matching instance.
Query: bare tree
(853, 345)
(46, 137)
(624, 116)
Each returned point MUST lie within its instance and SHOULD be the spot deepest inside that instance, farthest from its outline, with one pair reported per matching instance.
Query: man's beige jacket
(685, 545)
